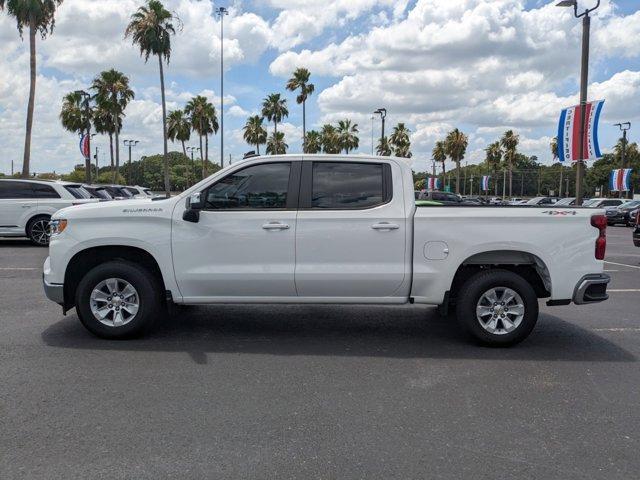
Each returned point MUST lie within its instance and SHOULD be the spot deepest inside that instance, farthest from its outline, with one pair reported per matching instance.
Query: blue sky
(480, 65)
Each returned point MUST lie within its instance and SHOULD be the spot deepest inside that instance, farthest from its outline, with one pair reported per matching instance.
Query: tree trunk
(304, 127)
(206, 148)
(184, 151)
(32, 96)
(111, 150)
(258, 148)
(117, 170)
(444, 174)
(458, 177)
(167, 180)
(510, 180)
(204, 170)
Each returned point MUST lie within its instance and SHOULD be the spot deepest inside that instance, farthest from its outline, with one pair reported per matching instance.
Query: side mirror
(193, 206)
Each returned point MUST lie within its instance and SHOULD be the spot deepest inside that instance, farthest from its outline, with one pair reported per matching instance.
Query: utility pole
(433, 167)
(372, 119)
(221, 12)
(383, 114)
(464, 182)
(471, 186)
(584, 78)
(190, 150)
(560, 189)
(504, 184)
(96, 159)
(87, 160)
(130, 143)
(624, 127)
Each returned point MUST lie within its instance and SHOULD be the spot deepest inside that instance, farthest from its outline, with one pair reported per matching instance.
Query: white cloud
(237, 111)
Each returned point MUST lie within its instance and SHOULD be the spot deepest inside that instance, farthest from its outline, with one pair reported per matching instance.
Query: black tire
(472, 291)
(149, 298)
(35, 233)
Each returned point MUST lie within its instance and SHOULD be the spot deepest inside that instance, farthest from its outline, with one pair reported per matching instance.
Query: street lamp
(584, 78)
(624, 127)
(221, 12)
(87, 160)
(191, 150)
(130, 143)
(383, 113)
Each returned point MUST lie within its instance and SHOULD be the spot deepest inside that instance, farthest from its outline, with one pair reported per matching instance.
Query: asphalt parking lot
(320, 392)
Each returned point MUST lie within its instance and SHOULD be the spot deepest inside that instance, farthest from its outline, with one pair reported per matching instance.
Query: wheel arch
(86, 259)
(528, 265)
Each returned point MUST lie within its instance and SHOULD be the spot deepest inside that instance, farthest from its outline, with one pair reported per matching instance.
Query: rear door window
(16, 189)
(44, 191)
(342, 185)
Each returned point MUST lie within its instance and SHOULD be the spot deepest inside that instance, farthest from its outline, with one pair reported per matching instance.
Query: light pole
(383, 114)
(584, 78)
(624, 127)
(221, 12)
(130, 143)
(96, 159)
(372, 119)
(87, 160)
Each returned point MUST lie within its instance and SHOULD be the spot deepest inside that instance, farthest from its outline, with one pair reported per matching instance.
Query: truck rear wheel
(118, 300)
(497, 307)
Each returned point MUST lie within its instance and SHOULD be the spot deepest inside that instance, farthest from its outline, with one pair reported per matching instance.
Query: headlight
(56, 227)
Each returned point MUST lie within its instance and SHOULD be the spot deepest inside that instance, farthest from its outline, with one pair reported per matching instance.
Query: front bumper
(53, 291)
(591, 288)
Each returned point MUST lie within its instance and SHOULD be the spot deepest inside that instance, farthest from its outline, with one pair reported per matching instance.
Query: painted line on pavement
(18, 268)
(625, 290)
(622, 264)
(617, 329)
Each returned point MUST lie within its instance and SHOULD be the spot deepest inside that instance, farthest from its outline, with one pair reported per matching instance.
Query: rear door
(17, 204)
(351, 230)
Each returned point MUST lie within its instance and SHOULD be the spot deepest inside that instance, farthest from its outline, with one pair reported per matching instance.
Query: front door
(243, 246)
(351, 234)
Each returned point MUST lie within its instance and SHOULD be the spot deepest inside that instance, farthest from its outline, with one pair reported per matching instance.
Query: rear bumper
(591, 288)
(54, 292)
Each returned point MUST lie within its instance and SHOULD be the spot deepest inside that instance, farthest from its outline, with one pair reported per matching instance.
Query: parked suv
(445, 198)
(26, 206)
(622, 214)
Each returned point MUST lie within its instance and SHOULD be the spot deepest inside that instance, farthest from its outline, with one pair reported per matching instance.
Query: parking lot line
(625, 290)
(622, 264)
(627, 329)
(18, 268)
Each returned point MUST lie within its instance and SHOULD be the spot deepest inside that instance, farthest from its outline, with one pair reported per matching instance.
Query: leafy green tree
(314, 142)
(400, 142)
(300, 81)
(347, 136)
(151, 28)
(456, 146)
(179, 128)
(493, 158)
(509, 143)
(330, 139)
(204, 121)
(276, 144)
(114, 94)
(76, 118)
(384, 147)
(254, 132)
(39, 17)
(274, 109)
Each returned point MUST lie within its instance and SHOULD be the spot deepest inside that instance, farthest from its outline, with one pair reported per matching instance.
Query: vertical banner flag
(84, 146)
(485, 182)
(569, 132)
(620, 180)
(433, 183)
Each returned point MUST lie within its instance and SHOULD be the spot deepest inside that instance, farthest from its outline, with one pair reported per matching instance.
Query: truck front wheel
(118, 300)
(497, 307)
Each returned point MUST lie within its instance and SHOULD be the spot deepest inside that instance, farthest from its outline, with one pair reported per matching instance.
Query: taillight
(600, 222)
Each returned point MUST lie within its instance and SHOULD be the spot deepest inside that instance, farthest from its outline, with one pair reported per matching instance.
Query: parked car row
(26, 206)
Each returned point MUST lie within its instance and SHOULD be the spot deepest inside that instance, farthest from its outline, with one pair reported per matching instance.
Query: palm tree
(274, 109)
(330, 139)
(553, 145)
(104, 124)
(276, 145)
(300, 80)
(76, 118)
(439, 154)
(456, 146)
(178, 128)
(254, 132)
(509, 142)
(384, 147)
(314, 142)
(39, 17)
(347, 136)
(400, 141)
(113, 92)
(493, 159)
(204, 121)
(151, 28)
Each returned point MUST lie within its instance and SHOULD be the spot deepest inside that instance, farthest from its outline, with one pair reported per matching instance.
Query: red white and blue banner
(433, 183)
(84, 146)
(569, 132)
(620, 180)
(485, 183)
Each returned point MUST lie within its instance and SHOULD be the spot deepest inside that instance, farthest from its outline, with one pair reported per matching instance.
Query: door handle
(26, 206)
(275, 226)
(385, 226)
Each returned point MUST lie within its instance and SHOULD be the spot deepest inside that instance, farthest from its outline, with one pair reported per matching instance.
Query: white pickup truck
(321, 229)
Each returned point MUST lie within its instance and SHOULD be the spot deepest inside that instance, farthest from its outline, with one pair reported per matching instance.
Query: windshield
(565, 202)
(77, 191)
(631, 204)
(590, 203)
(102, 193)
